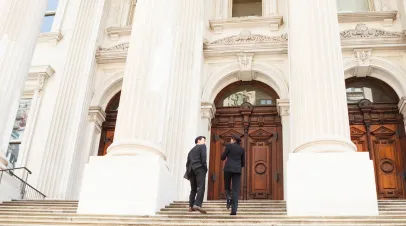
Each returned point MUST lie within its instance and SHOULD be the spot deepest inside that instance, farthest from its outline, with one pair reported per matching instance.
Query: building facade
(115, 91)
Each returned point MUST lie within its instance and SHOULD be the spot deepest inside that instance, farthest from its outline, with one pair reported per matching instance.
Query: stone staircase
(61, 213)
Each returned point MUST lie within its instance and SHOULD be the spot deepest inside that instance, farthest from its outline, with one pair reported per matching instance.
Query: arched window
(369, 88)
(255, 93)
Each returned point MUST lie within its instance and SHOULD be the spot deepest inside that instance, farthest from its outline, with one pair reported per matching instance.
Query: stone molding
(402, 106)
(115, 32)
(245, 62)
(283, 107)
(51, 37)
(37, 78)
(361, 37)
(208, 110)
(98, 116)
(387, 17)
(272, 22)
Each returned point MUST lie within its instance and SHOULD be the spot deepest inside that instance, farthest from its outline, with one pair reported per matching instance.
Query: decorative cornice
(115, 32)
(272, 22)
(386, 16)
(283, 107)
(98, 116)
(245, 37)
(113, 54)
(51, 37)
(363, 31)
(38, 76)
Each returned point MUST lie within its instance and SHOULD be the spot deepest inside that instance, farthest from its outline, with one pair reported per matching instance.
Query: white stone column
(181, 127)
(43, 73)
(17, 44)
(322, 167)
(283, 110)
(138, 153)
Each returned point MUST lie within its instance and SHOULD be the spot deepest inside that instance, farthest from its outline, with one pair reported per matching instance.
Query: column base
(134, 185)
(331, 184)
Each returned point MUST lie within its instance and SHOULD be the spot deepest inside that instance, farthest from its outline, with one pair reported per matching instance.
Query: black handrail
(26, 190)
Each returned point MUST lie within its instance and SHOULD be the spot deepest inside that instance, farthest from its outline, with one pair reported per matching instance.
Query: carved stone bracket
(364, 66)
(38, 76)
(207, 110)
(283, 107)
(402, 108)
(98, 116)
(245, 62)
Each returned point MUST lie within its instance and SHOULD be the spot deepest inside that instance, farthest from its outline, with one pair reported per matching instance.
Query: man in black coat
(196, 170)
(235, 156)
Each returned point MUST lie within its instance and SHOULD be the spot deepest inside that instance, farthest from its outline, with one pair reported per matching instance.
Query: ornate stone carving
(283, 107)
(364, 66)
(98, 116)
(246, 37)
(363, 31)
(245, 62)
(119, 47)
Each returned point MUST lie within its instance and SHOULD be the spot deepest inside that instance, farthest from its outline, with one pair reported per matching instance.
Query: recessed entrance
(248, 109)
(377, 127)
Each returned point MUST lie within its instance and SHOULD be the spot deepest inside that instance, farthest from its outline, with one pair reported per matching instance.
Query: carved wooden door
(260, 130)
(109, 126)
(377, 129)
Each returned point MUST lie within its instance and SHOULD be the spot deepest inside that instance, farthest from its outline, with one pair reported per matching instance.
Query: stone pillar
(283, 110)
(138, 150)
(183, 113)
(17, 44)
(323, 164)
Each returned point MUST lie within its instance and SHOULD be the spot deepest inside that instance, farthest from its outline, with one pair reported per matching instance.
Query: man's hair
(237, 139)
(199, 138)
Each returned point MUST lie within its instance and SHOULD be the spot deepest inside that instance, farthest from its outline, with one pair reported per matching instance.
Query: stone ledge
(115, 32)
(51, 37)
(387, 17)
(273, 22)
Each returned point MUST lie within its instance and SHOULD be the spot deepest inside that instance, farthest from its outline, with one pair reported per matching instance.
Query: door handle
(277, 177)
(213, 176)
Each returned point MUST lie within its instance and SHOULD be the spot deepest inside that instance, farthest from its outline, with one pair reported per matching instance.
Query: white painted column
(181, 127)
(283, 110)
(269, 8)
(322, 167)
(17, 44)
(43, 73)
(64, 138)
(138, 152)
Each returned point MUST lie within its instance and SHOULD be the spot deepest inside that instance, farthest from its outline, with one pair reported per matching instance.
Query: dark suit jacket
(235, 155)
(196, 158)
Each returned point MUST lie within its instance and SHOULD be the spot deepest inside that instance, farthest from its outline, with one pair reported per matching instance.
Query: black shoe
(233, 213)
(228, 203)
(198, 208)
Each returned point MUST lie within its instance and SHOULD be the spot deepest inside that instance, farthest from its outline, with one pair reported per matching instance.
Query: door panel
(258, 128)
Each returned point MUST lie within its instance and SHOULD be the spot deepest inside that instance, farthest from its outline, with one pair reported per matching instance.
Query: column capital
(283, 107)
(41, 74)
(207, 110)
(98, 116)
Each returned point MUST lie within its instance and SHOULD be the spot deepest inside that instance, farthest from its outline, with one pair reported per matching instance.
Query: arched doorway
(248, 109)
(377, 127)
(108, 127)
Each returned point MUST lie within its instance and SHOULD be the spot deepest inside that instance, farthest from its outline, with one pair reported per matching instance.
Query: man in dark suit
(196, 166)
(235, 156)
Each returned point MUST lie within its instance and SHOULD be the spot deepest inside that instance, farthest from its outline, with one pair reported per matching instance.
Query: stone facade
(171, 60)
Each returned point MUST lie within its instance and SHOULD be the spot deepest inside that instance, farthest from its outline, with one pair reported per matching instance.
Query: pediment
(383, 132)
(246, 37)
(227, 135)
(261, 134)
(356, 133)
(363, 31)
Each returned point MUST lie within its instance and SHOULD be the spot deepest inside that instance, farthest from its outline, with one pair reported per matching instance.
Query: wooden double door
(379, 130)
(261, 132)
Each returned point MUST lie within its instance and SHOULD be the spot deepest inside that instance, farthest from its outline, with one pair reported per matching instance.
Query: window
(243, 8)
(255, 93)
(354, 5)
(372, 89)
(18, 132)
(49, 16)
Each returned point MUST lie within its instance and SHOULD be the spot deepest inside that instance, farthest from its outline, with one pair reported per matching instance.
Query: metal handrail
(24, 185)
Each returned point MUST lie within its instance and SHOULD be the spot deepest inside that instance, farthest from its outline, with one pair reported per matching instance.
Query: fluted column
(318, 98)
(17, 44)
(321, 176)
(140, 120)
(182, 125)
